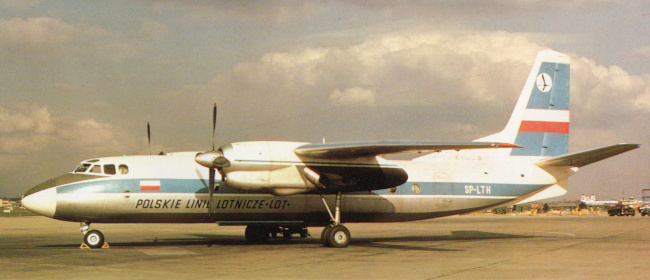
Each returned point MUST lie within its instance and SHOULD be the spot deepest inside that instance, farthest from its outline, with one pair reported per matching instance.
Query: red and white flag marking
(150, 185)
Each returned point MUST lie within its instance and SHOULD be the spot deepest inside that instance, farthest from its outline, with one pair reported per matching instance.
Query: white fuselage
(173, 188)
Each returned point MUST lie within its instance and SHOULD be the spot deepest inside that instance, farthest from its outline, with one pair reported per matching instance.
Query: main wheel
(257, 234)
(94, 239)
(287, 234)
(324, 234)
(338, 237)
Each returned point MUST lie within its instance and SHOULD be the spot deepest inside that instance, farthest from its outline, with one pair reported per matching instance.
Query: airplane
(275, 187)
(591, 201)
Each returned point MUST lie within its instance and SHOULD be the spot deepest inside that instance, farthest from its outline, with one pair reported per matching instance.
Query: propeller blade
(149, 137)
(211, 190)
(214, 123)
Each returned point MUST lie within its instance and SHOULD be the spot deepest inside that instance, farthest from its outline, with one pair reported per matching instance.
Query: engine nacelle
(265, 167)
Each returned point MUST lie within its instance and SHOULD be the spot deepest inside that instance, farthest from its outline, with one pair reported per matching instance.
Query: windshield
(82, 167)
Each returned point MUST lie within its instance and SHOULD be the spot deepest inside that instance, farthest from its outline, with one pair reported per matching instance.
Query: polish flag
(149, 185)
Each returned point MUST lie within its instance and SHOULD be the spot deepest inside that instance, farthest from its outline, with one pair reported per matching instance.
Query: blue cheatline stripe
(198, 186)
(459, 188)
(558, 97)
(133, 186)
(541, 144)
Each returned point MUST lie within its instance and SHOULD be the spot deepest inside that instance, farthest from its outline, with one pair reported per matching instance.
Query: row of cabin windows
(109, 169)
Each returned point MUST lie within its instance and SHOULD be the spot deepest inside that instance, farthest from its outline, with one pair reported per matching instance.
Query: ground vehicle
(644, 210)
(620, 210)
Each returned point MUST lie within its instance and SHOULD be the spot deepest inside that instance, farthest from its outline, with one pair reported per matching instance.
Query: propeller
(149, 137)
(214, 160)
(212, 171)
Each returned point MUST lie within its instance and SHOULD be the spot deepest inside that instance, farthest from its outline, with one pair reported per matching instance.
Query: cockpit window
(96, 169)
(82, 168)
(123, 169)
(109, 169)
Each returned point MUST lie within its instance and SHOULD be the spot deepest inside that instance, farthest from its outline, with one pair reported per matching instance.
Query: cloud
(642, 50)
(269, 11)
(459, 81)
(34, 33)
(19, 5)
(28, 128)
(643, 101)
(398, 69)
(25, 118)
(352, 97)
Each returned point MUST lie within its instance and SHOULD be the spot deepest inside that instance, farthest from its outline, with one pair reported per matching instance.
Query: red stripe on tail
(547, 127)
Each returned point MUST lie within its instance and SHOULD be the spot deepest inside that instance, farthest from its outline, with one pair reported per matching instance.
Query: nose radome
(41, 202)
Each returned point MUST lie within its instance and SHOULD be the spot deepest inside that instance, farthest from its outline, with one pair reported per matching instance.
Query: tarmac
(458, 247)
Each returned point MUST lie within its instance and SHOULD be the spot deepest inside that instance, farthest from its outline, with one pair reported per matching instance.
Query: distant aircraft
(591, 201)
(284, 187)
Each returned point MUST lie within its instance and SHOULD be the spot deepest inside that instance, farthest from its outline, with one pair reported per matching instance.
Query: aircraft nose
(41, 202)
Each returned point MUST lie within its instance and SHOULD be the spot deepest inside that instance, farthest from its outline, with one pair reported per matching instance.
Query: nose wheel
(335, 235)
(93, 239)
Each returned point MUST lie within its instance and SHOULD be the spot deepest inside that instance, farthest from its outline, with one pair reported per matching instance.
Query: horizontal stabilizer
(368, 149)
(587, 157)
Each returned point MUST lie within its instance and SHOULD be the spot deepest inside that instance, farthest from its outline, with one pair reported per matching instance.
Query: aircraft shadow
(380, 242)
(405, 242)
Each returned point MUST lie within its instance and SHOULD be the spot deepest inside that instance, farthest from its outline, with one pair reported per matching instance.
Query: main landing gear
(335, 235)
(92, 238)
(262, 233)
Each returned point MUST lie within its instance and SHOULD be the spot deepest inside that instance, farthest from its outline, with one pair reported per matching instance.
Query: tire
(338, 237)
(257, 234)
(324, 235)
(94, 239)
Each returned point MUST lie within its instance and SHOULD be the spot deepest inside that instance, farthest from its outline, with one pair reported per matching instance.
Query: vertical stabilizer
(540, 120)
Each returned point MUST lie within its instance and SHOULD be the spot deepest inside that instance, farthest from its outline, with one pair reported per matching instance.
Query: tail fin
(540, 120)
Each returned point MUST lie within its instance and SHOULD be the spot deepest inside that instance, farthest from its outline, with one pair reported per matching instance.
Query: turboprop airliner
(275, 187)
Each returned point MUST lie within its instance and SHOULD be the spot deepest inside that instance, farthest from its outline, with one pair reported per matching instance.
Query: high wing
(587, 157)
(371, 149)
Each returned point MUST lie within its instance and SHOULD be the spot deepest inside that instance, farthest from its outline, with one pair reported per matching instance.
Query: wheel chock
(85, 246)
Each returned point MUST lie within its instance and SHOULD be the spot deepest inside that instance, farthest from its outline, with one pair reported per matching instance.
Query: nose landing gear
(93, 239)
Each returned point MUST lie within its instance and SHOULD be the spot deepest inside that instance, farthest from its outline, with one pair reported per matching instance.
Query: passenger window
(123, 169)
(109, 169)
(416, 188)
(96, 169)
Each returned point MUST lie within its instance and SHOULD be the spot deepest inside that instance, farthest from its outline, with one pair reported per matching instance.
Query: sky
(81, 79)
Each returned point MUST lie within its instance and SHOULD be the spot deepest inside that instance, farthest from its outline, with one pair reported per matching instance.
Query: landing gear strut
(92, 238)
(335, 235)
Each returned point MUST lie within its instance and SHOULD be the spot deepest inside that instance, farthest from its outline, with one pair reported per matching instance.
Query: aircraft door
(442, 188)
